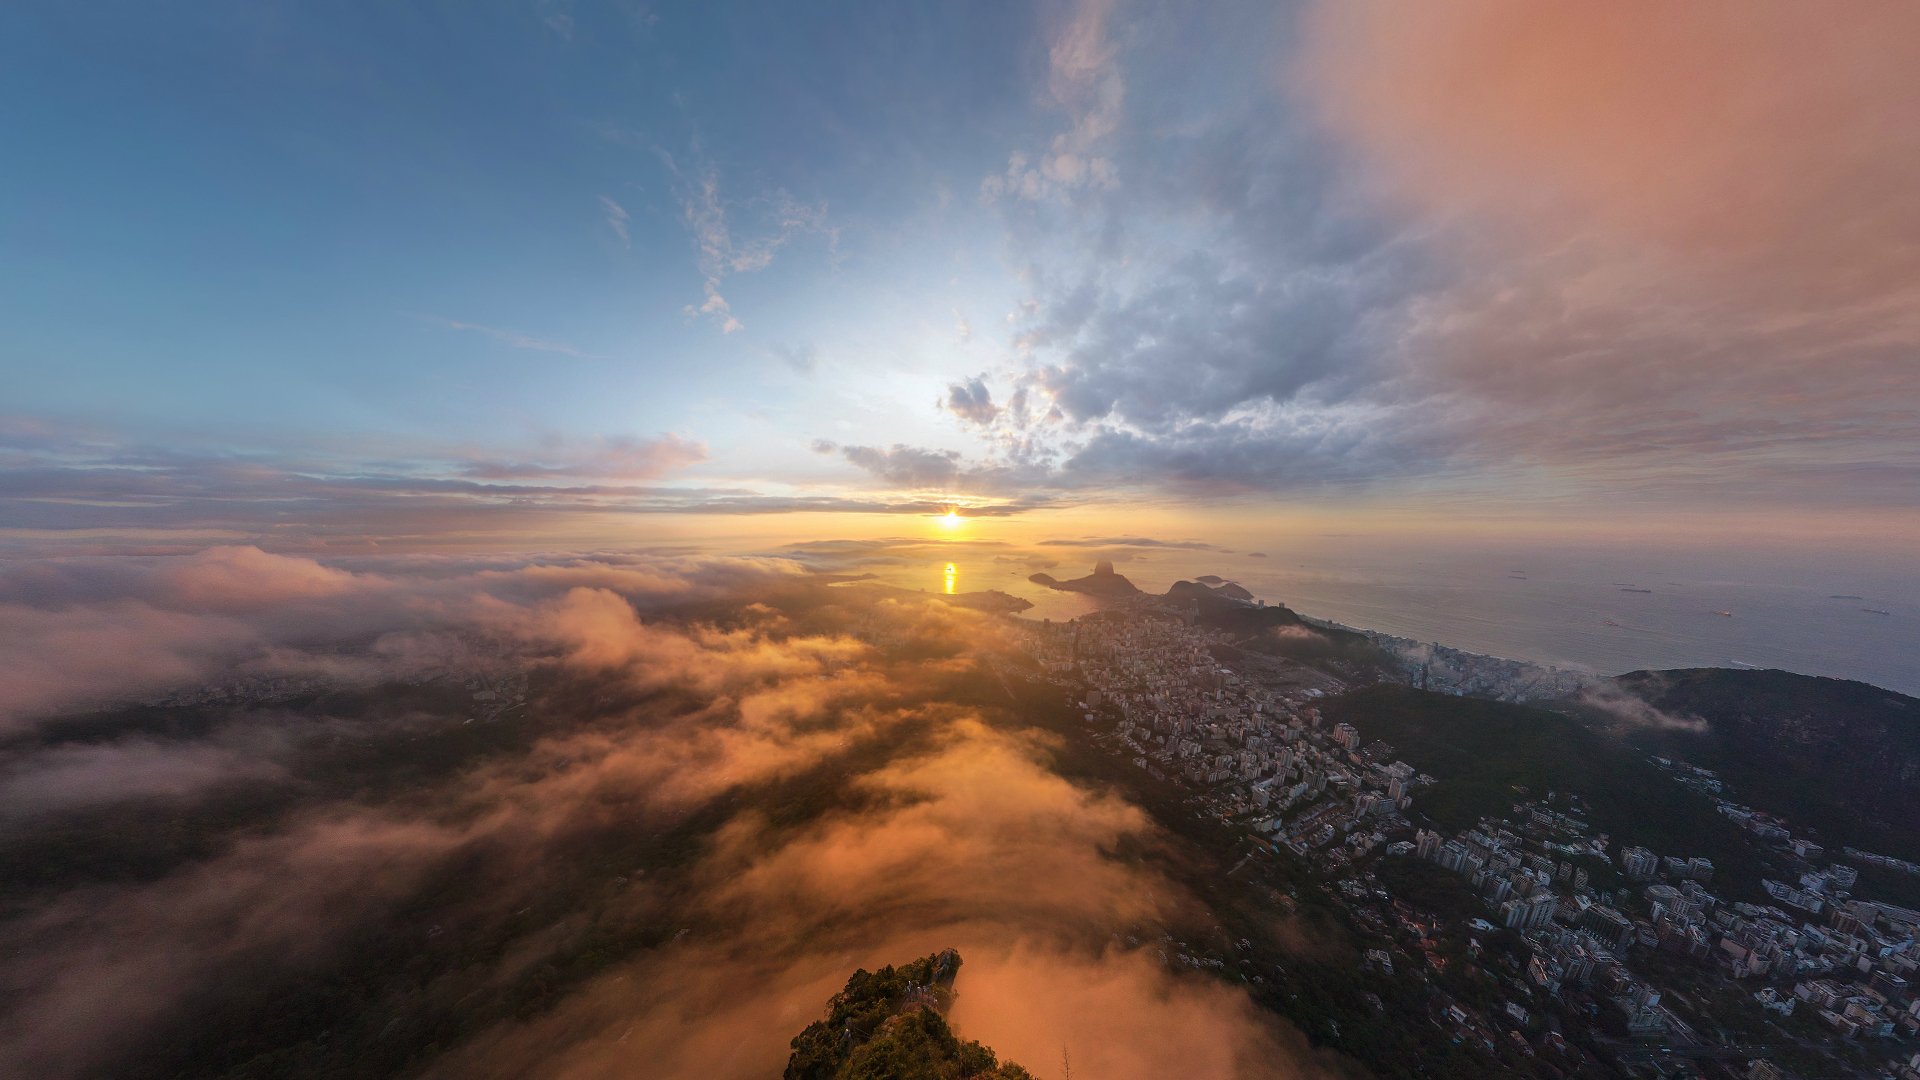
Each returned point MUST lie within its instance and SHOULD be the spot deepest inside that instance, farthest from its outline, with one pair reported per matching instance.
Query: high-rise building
(1639, 863)
(1426, 843)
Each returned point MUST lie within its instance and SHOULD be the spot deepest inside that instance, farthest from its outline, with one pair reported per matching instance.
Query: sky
(378, 345)
(552, 272)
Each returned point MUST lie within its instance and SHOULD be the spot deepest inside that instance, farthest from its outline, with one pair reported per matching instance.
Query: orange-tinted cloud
(922, 825)
(1773, 145)
(1682, 240)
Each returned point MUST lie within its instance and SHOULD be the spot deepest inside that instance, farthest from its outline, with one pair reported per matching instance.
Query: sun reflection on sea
(953, 578)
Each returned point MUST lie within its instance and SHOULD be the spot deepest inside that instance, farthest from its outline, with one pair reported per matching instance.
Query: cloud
(71, 777)
(971, 401)
(1647, 124)
(91, 632)
(1627, 710)
(1128, 541)
(514, 338)
(557, 17)
(217, 581)
(907, 466)
(617, 219)
(614, 458)
(1085, 83)
(945, 851)
(57, 660)
(1018, 484)
(1684, 237)
(1472, 256)
(73, 492)
(740, 784)
(97, 970)
(720, 251)
(803, 358)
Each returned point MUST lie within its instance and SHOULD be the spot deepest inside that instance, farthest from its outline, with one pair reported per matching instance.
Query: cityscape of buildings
(1667, 976)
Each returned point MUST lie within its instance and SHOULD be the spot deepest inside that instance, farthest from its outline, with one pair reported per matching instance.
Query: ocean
(1580, 610)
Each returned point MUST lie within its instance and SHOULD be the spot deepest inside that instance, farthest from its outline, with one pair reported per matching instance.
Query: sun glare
(951, 519)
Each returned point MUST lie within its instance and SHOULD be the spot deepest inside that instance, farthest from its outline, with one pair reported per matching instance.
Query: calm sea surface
(1573, 611)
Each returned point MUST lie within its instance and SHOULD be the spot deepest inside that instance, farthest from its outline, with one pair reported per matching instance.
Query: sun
(951, 519)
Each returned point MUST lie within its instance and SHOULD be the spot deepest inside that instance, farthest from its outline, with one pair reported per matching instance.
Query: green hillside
(1485, 754)
(1840, 756)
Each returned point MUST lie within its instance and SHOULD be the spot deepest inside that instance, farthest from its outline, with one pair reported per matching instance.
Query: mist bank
(553, 816)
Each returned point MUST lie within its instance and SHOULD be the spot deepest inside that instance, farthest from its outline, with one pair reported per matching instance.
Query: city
(1664, 975)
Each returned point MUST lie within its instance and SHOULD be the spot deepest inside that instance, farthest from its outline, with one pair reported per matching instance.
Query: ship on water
(1876, 611)
(1727, 614)
(1636, 590)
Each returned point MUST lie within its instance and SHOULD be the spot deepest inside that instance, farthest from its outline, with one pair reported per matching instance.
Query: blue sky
(249, 218)
(886, 257)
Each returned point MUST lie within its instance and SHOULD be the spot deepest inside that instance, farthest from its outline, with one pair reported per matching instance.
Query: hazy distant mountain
(888, 1024)
(1208, 585)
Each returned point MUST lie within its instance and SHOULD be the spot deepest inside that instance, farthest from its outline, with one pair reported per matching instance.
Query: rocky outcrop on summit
(891, 1024)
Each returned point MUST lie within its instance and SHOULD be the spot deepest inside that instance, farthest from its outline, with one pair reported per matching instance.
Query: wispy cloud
(621, 458)
(617, 219)
(1085, 82)
(68, 491)
(802, 357)
(721, 251)
(557, 18)
(513, 338)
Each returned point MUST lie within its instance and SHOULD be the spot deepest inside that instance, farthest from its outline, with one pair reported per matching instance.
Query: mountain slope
(1841, 756)
(1485, 752)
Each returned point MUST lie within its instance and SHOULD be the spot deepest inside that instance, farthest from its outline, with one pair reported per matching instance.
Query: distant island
(1105, 584)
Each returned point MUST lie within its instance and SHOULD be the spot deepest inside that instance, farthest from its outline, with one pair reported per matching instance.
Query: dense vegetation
(886, 1025)
(1780, 740)
(1430, 887)
(1488, 755)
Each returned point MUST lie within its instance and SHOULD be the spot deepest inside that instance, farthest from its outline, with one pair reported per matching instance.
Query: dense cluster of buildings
(1589, 920)
(1443, 670)
(1254, 753)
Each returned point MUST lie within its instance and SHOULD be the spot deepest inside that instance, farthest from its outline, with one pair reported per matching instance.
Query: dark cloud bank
(576, 816)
